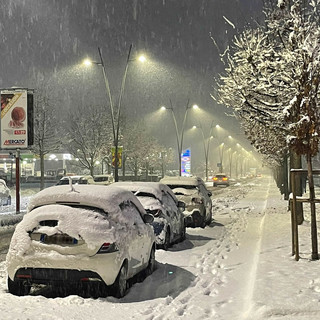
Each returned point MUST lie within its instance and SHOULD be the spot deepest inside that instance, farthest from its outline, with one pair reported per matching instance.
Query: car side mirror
(209, 193)
(181, 205)
(148, 218)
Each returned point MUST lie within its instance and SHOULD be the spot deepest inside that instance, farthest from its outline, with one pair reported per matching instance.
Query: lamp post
(179, 137)
(115, 119)
(206, 145)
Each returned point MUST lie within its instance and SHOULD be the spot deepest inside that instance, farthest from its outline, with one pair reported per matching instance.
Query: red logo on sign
(19, 131)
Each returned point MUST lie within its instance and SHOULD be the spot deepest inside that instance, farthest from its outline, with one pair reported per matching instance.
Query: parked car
(221, 179)
(193, 192)
(104, 179)
(5, 197)
(159, 200)
(81, 236)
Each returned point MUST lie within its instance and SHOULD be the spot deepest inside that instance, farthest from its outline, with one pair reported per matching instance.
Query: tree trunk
(124, 159)
(285, 178)
(41, 171)
(314, 240)
(295, 163)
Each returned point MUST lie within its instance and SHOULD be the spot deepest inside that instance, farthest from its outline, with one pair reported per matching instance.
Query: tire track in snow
(248, 301)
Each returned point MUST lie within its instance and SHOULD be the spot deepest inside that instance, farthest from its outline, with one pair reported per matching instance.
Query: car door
(138, 248)
(172, 209)
(207, 199)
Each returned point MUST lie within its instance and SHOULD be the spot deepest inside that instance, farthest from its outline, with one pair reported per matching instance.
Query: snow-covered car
(220, 179)
(5, 197)
(159, 200)
(193, 192)
(81, 236)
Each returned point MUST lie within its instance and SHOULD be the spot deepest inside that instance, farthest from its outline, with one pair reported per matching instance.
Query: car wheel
(120, 285)
(18, 288)
(9, 201)
(166, 244)
(152, 262)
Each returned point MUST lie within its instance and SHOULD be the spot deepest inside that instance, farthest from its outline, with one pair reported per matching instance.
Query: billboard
(186, 163)
(14, 119)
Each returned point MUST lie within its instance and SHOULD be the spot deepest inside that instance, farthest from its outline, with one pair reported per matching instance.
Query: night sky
(46, 40)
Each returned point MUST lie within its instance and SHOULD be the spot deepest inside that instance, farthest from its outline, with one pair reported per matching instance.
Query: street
(212, 274)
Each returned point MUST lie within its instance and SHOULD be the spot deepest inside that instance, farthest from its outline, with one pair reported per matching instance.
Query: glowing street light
(142, 58)
(114, 119)
(179, 136)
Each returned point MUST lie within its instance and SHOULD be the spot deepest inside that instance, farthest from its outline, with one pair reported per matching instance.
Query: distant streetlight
(114, 119)
(179, 136)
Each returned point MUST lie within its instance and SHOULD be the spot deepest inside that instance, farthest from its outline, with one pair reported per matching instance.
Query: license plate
(58, 239)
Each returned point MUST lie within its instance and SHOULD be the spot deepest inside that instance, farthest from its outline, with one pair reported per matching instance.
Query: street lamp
(114, 119)
(206, 145)
(179, 137)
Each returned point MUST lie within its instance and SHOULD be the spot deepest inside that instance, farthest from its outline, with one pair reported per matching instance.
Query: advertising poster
(14, 122)
(186, 163)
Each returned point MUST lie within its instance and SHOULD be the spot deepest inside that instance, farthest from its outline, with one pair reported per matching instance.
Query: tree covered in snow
(272, 80)
(89, 135)
(141, 151)
(47, 137)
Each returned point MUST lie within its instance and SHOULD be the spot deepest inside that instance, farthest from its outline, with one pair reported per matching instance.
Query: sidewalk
(284, 288)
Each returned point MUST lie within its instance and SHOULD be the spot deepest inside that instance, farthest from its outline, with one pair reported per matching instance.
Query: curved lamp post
(206, 145)
(179, 137)
(115, 119)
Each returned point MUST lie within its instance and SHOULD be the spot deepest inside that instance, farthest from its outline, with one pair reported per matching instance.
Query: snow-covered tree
(47, 137)
(89, 133)
(141, 150)
(272, 78)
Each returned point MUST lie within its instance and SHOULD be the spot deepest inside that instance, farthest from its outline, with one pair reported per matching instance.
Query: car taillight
(224, 178)
(215, 178)
(108, 248)
(197, 200)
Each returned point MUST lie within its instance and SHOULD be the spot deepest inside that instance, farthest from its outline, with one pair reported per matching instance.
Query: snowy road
(213, 274)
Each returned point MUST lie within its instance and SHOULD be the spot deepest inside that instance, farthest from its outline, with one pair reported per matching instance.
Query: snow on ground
(240, 267)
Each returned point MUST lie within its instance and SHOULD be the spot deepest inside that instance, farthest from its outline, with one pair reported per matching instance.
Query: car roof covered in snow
(191, 181)
(155, 188)
(107, 198)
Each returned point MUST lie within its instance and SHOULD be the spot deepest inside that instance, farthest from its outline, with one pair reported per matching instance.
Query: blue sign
(186, 163)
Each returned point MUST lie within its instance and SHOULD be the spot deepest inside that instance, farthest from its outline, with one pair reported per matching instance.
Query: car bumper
(37, 269)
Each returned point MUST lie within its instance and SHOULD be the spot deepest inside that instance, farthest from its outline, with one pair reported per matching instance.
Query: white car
(103, 179)
(5, 197)
(83, 236)
(159, 200)
(193, 192)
